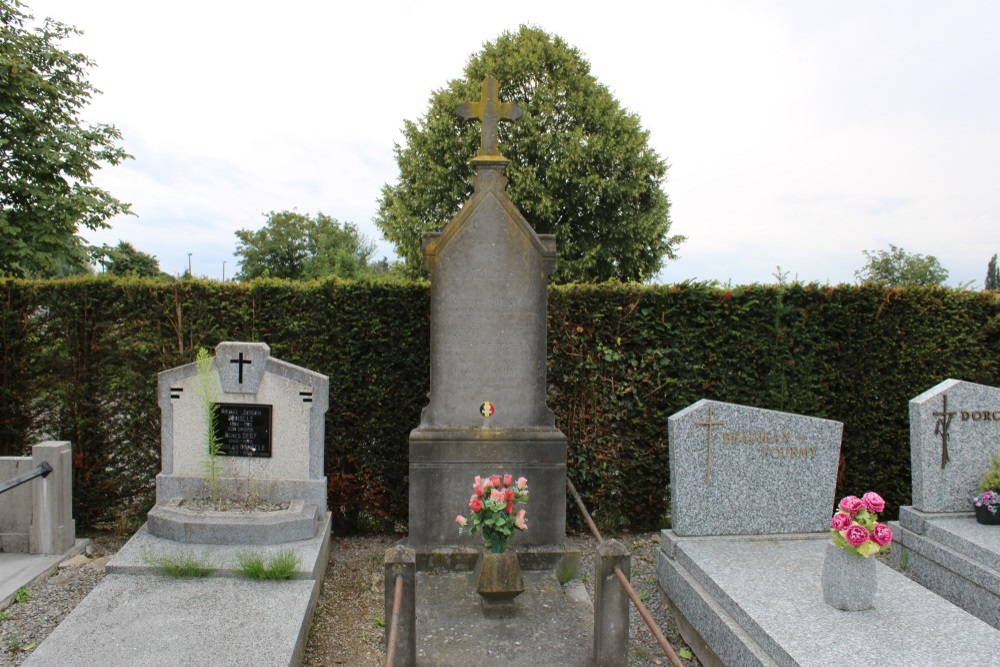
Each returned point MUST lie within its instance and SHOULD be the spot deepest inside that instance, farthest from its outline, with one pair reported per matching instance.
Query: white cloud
(798, 134)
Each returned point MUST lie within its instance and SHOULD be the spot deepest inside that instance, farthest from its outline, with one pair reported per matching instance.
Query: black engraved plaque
(243, 429)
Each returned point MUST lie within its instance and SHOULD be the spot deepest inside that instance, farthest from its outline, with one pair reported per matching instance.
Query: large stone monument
(486, 412)
(954, 432)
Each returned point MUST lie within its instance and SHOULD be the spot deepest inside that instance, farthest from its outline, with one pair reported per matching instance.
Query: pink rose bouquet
(492, 504)
(855, 527)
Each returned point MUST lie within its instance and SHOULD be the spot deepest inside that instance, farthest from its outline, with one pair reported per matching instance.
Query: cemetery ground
(348, 624)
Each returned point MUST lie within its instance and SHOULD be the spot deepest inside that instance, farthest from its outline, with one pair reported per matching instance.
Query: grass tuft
(185, 566)
(283, 565)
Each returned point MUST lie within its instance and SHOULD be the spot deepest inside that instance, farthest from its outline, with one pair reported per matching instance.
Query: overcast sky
(798, 134)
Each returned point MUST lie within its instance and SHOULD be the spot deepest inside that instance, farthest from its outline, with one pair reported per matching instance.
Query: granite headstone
(954, 431)
(753, 493)
(486, 412)
(738, 470)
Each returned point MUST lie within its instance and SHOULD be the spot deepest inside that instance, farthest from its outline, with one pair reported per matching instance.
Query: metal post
(401, 606)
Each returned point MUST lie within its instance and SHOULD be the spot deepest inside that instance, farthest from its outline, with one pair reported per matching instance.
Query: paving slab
(152, 620)
(18, 569)
(135, 617)
(760, 602)
(552, 625)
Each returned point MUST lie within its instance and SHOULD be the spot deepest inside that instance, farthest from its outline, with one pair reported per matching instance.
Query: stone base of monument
(559, 558)
(752, 600)
(952, 555)
(172, 521)
(551, 624)
(135, 617)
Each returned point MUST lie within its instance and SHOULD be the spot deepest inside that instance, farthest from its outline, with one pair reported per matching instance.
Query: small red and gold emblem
(487, 409)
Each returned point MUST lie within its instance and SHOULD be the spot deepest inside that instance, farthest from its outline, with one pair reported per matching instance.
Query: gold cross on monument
(709, 423)
(489, 111)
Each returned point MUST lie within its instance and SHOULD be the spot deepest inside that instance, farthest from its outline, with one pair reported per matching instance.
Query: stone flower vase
(498, 582)
(849, 583)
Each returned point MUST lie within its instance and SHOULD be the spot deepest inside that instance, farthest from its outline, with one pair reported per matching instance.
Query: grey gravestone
(271, 430)
(486, 412)
(746, 592)
(737, 470)
(954, 431)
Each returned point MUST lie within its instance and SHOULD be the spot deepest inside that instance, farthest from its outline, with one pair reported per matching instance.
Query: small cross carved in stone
(489, 111)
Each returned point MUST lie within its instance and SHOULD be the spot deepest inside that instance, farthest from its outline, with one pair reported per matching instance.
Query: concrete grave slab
(155, 621)
(759, 601)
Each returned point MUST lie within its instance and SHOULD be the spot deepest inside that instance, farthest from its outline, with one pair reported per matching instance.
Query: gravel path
(24, 624)
(347, 628)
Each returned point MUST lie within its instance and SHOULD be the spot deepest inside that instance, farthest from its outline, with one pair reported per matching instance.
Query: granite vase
(986, 517)
(850, 583)
(498, 582)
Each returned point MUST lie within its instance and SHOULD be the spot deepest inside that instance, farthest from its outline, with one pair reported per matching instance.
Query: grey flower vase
(849, 583)
(498, 582)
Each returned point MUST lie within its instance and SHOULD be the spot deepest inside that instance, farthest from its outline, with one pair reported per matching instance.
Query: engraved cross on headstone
(490, 111)
(941, 428)
(241, 361)
(709, 423)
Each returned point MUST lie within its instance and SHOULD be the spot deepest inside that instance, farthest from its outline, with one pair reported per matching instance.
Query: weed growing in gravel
(4, 614)
(283, 565)
(184, 566)
(15, 645)
(22, 595)
(640, 654)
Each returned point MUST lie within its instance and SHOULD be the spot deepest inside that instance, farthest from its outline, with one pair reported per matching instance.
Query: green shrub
(80, 358)
(991, 478)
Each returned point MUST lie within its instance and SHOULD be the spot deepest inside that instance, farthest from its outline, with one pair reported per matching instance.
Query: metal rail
(397, 603)
(41, 471)
(623, 580)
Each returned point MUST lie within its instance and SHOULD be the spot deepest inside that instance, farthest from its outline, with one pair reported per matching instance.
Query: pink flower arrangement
(988, 499)
(492, 504)
(855, 527)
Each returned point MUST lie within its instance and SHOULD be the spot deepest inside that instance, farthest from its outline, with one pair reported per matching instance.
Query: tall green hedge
(80, 358)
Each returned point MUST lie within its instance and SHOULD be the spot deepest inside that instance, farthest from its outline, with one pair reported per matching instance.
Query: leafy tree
(581, 166)
(47, 155)
(897, 268)
(992, 275)
(297, 246)
(125, 260)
